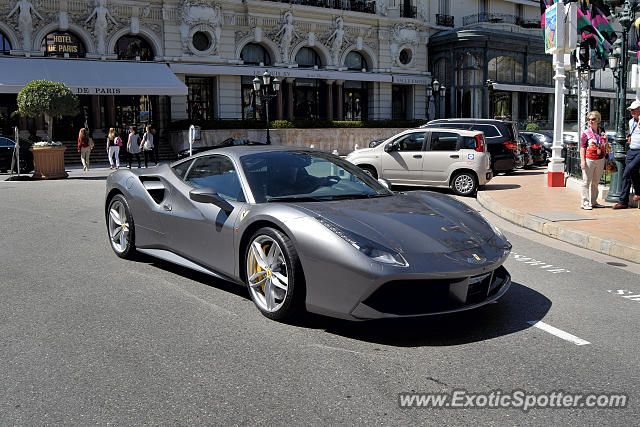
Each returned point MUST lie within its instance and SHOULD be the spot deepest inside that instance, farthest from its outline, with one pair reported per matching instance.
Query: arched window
(61, 44)
(469, 70)
(255, 54)
(5, 46)
(540, 72)
(307, 58)
(133, 48)
(355, 61)
(505, 69)
(442, 71)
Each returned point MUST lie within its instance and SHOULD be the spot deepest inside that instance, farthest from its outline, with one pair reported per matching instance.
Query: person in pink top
(594, 147)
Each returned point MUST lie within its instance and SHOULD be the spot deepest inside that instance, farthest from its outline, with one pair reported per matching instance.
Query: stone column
(339, 113)
(279, 102)
(111, 111)
(329, 84)
(290, 100)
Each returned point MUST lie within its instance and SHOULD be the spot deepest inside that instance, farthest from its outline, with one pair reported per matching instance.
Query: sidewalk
(525, 199)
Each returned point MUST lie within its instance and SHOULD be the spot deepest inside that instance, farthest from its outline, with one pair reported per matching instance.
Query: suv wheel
(464, 183)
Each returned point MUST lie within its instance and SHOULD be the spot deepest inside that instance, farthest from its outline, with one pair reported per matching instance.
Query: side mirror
(385, 183)
(389, 147)
(209, 195)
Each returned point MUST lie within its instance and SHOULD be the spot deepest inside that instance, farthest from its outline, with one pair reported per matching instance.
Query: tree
(53, 99)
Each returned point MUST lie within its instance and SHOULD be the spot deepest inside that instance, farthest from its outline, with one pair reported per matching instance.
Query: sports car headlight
(373, 250)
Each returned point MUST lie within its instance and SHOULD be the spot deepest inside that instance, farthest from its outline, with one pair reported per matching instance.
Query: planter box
(48, 162)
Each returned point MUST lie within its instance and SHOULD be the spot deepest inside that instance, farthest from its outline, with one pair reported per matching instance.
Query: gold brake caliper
(256, 267)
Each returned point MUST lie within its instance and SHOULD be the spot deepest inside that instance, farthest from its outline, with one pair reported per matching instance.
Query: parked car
(302, 229)
(536, 149)
(432, 157)
(229, 142)
(7, 147)
(501, 137)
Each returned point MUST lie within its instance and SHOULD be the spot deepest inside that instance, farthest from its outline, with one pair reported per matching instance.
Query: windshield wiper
(297, 199)
(357, 196)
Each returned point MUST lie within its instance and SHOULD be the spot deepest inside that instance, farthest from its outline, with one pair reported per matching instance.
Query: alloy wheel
(119, 227)
(267, 274)
(464, 184)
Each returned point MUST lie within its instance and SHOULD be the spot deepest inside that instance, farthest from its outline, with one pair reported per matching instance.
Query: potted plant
(53, 100)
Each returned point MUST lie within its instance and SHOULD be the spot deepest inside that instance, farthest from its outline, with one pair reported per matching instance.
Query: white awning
(86, 77)
(280, 72)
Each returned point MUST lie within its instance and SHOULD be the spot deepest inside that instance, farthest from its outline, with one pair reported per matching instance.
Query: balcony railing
(444, 20)
(500, 18)
(365, 6)
(408, 12)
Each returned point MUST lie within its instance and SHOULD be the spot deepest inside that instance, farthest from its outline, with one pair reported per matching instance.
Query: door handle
(166, 207)
(417, 156)
(454, 156)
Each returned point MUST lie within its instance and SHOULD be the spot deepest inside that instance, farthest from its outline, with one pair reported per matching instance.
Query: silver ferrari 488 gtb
(303, 229)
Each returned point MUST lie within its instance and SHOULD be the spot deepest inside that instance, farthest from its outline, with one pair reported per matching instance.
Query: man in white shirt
(632, 162)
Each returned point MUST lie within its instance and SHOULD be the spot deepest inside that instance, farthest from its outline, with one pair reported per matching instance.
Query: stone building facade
(132, 62)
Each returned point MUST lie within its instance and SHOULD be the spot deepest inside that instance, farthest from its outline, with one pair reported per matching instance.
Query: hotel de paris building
(133, 62)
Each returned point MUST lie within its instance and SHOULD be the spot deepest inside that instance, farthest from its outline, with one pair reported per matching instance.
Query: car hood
(415, 222)
(361, 151)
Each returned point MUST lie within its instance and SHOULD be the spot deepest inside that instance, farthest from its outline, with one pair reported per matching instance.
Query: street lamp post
(429, 93)
(618, 62)
(439, 91)
(266, 89)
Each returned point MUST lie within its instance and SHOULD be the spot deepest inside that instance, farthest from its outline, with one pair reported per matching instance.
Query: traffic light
(583, 55)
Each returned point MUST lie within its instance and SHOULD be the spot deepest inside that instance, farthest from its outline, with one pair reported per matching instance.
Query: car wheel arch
(457, 172)
(248, 232)
(114, 192)
(370, 167)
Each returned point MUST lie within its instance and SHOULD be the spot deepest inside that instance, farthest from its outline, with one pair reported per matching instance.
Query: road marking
(549, 268)
(630, 295)
(558, 332)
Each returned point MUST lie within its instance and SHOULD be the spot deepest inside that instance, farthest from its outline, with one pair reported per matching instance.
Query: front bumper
(429, 297)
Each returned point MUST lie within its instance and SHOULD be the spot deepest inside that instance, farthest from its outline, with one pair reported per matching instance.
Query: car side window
(490, 131)
(410, 142)
(218, 173)
(182, 168)
(444, 141)
(469, 143)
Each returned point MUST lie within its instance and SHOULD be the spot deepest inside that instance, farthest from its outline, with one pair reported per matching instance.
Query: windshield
(306, 176)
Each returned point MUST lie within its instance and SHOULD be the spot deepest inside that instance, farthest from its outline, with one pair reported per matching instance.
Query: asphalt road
(89, 338)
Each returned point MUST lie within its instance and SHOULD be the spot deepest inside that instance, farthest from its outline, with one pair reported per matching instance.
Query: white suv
(431, 157)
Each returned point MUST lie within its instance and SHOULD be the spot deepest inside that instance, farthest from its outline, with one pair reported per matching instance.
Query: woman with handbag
(114, 142)
(84, 147)
(594, 147)
(147, 146)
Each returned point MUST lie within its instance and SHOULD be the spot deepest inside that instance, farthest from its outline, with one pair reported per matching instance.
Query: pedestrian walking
(594, 147)
(114, 142)
(84, 147)
(133, 148)
(146, 145)
(156, 144)
(631, 174)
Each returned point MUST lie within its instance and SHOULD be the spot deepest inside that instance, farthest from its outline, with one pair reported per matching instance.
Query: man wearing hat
(632, 162)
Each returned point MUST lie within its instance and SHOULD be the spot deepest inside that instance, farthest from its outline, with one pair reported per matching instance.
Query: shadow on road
(509, 315)
(492, 187)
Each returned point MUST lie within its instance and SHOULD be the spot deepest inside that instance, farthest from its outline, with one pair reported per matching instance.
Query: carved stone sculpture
(25, 22)
(101, 14)
(336, 39)
(287, 36)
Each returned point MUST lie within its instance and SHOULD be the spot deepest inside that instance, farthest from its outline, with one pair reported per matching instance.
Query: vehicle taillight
(535, 146)
(511, 145)
(480, 143)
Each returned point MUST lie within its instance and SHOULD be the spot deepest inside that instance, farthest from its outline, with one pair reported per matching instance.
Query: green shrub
(532, 126)
(53, 99)
(282, 124)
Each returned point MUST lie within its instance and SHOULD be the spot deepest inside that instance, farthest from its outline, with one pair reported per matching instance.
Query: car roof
(463, 132)
(471, 120)
(237, 151)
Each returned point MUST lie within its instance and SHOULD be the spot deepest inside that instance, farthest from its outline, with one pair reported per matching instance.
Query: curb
(561, 232)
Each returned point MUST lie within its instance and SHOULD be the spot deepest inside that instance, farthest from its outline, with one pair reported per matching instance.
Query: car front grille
(413, 297)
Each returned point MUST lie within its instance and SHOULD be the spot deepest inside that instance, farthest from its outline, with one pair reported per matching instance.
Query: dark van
(501, 137)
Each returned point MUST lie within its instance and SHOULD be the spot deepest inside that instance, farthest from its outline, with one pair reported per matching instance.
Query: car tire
(464, 183)
(369, 170)
(120, 227)
(274, 279)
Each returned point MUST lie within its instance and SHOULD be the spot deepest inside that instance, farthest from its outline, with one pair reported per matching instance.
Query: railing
(408, 12)
(444, 20)
(364, 6)
(572, 164)
(501, 18)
